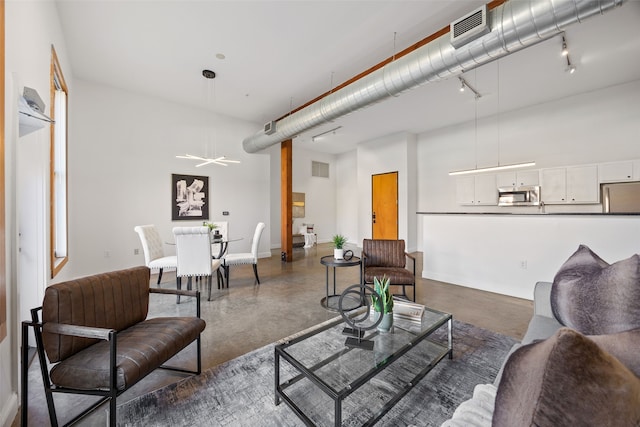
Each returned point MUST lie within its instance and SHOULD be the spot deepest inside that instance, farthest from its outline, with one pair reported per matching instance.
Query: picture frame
(189, 197)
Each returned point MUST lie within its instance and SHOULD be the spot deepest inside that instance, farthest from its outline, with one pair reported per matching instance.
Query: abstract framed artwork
(189, 197)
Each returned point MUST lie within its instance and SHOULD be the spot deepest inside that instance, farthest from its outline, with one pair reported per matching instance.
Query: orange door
(384, 201)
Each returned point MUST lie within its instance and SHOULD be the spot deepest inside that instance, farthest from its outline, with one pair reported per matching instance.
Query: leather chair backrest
(384, 253)
(114, 300)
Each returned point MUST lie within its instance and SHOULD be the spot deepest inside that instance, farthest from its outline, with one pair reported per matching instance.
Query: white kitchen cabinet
(577, 184)
(479, 190)
(465, 190)
(518, 179)
(616, 171)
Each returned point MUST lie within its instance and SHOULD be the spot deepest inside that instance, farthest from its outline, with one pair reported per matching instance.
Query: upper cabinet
(576, 184)
(518, 179)
(479, 190)
(616, 171)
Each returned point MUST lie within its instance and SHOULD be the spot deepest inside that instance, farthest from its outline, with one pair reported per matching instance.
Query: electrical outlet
(136, 251)
(523, 264)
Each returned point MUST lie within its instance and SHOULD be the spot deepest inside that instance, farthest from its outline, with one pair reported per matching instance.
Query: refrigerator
(621, 197)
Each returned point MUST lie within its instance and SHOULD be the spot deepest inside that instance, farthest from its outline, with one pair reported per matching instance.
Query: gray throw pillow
(596, 298)
(566, 380)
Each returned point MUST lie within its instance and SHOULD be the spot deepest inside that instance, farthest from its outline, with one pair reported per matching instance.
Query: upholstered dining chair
(245, 258)
(154, 256)
(193, 250)
(388, 258)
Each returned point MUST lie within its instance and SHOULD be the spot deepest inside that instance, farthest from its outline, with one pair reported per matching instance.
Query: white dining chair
(193, 250)
(245, 258)
(154, 256)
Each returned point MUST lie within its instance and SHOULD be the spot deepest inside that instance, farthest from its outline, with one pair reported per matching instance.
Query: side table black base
(331, 303)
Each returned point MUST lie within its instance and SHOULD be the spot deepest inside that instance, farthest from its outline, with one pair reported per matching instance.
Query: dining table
(221, 242)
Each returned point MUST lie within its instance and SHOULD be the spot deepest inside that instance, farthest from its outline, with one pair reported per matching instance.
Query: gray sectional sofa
(578, 362)
(542, 325)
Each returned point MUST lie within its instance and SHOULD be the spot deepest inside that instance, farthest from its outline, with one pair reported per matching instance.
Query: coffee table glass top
(318, 363)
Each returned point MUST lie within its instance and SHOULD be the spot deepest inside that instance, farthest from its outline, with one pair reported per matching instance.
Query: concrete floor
(247, 316)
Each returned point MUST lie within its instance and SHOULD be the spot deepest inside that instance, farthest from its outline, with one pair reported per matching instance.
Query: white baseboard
(9, 411)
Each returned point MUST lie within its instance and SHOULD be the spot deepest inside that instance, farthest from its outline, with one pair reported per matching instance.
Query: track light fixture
(314, 138)
(565, 52)
(565, 49)
(464, 84)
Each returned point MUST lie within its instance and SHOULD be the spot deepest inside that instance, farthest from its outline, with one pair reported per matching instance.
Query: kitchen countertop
(531, 214)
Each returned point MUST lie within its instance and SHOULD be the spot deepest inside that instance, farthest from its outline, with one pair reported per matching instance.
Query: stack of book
(403, 309)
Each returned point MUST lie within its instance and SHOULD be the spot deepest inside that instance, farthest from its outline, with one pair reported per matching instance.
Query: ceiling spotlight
(565, 49)
(570, 67)
(461, 84)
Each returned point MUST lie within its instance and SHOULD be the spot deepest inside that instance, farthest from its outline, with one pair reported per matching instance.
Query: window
(58, 175)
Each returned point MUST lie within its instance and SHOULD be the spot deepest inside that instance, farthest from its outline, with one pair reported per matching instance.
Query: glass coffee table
(325, 382)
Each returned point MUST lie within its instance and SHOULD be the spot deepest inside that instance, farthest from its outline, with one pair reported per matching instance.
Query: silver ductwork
(515, 25)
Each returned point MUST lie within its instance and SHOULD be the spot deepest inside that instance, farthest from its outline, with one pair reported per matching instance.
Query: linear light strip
(493, 168)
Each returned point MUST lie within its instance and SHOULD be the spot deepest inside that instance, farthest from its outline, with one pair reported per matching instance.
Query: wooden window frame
(57, 79)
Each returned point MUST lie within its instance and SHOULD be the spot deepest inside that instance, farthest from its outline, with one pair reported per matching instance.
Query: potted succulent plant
(212, 228)
(383, 303)
(338, 243)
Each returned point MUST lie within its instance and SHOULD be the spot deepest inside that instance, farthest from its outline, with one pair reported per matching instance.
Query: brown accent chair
(95, 338)
(388, 258)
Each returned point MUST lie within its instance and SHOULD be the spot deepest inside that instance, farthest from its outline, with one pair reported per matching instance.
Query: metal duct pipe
(514, 25)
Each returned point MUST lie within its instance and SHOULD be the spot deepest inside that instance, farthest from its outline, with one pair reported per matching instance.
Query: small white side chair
(154, 256)
(245, 258)
(193, 250)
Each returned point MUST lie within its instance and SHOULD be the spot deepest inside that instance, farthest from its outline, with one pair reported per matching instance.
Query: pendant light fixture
(498, 167)
(216, 160)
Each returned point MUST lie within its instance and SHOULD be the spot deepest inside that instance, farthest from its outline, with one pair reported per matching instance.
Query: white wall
(347, 212)
(122, 152)
(31, 28)
(320, 200)
(387, 154)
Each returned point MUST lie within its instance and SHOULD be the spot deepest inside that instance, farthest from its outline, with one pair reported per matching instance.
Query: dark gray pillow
(596, 298)
(566, 380)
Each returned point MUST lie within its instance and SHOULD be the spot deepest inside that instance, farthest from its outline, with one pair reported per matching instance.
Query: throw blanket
(477, 411)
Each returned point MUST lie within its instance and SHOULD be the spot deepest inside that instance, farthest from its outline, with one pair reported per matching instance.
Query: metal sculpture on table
(358, 320)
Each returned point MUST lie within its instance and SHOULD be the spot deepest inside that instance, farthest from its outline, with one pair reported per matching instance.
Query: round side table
(330, 301)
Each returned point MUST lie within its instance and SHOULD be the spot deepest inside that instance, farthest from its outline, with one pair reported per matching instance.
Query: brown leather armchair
(388, 258)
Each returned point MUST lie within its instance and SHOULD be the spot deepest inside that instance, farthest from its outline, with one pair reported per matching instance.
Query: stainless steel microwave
(528, 195)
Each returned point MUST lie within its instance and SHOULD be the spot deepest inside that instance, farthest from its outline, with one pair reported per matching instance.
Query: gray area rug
(241, 392)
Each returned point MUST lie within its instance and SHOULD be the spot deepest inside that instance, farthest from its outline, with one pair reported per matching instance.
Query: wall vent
(469, 27)
(319, 169)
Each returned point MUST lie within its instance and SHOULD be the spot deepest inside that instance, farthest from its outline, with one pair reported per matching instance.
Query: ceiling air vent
(469, 27)
(270, 127)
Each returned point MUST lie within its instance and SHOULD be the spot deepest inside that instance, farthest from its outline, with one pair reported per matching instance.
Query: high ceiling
(278, 54)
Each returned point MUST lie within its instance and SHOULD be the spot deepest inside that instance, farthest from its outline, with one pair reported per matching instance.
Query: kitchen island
(508, 253)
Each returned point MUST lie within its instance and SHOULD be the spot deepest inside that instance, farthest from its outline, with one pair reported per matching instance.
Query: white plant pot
(338, 253)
